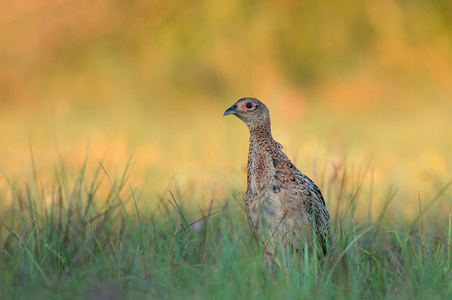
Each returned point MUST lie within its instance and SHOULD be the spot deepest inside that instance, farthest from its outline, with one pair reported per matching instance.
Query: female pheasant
(283, 206)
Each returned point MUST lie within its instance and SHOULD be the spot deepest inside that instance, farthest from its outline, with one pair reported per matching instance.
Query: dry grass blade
(438, 195)
(119, 198)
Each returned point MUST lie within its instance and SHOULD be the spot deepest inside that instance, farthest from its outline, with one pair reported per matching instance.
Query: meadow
(80, 224)
(120, 178)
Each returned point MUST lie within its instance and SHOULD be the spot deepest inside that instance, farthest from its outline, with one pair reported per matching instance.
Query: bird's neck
(260, 133)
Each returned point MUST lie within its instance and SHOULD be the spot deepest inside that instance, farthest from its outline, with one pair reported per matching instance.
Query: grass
(89, 238)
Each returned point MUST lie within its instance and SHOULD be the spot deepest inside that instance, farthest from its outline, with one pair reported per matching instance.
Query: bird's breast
(261, 171)
(263, 206)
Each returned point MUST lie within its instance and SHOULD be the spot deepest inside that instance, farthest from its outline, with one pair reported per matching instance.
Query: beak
(231, 110)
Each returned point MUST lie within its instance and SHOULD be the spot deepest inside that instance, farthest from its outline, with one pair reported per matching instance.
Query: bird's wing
(301, 198)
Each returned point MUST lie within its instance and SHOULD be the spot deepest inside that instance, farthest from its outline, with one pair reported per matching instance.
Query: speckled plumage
(283, 206)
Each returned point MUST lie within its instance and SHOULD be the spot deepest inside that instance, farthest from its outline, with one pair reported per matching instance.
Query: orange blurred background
(356, 84)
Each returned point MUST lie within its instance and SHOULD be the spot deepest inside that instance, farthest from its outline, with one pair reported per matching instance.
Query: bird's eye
(249, 105)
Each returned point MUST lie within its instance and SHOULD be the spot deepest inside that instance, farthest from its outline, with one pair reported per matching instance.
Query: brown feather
(283, 206)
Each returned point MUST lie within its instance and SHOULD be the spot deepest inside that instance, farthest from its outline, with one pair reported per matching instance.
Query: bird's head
(251, 111)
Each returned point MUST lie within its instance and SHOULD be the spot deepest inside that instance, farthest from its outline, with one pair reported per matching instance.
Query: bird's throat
(260, 132)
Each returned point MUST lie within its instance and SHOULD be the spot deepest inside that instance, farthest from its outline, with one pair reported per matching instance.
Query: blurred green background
(362, 85)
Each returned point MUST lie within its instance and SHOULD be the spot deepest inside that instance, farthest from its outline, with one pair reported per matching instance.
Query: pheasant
(283, 206)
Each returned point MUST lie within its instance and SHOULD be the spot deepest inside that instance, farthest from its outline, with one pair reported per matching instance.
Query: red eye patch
(244, 107)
